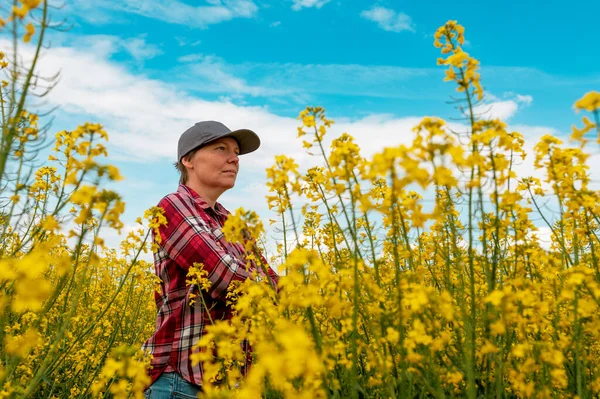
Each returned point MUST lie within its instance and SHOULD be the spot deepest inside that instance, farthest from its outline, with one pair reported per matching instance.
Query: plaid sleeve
(188, 239)
(274, 276)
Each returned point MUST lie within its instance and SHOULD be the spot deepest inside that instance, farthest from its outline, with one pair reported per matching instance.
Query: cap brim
(247, 140)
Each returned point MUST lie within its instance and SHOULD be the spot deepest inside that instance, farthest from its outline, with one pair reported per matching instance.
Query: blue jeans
(170, 386)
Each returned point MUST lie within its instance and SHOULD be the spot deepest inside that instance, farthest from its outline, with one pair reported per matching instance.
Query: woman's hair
(183, 176)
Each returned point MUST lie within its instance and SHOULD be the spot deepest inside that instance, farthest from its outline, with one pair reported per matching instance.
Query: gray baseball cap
(206, 131)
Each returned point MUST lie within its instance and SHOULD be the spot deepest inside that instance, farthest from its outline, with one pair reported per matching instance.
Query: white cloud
(189, 58)
(388, 19)
(299, 4)
(184, 41)
(502, 109)
(217, 78)
(275, 24)
(103, 45)
(107, 45)
(300, 81)
(140, 49)
(170, 11)
(526, 100)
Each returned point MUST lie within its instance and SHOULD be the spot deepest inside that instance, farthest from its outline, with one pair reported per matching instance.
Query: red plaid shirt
(192, 234)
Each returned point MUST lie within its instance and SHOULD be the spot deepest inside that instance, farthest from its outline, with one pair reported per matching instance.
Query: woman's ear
(187, 163)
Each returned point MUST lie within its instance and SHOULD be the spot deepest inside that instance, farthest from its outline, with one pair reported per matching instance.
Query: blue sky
(148, 69)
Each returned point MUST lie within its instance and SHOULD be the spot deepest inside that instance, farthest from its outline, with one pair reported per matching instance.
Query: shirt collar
(201, 202)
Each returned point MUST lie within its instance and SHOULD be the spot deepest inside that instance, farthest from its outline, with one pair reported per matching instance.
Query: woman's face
(215, 166)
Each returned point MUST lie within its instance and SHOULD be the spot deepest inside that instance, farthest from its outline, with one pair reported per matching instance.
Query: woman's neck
(210, 196)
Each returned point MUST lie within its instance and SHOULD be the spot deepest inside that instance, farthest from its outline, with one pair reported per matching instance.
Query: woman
(208, 162)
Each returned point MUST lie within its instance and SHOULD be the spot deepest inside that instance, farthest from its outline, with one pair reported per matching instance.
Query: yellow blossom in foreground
(30, 32)
(589, 102)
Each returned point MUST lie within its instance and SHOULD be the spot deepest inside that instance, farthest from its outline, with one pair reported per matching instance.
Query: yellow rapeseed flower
(589, 102)
(30, 32)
